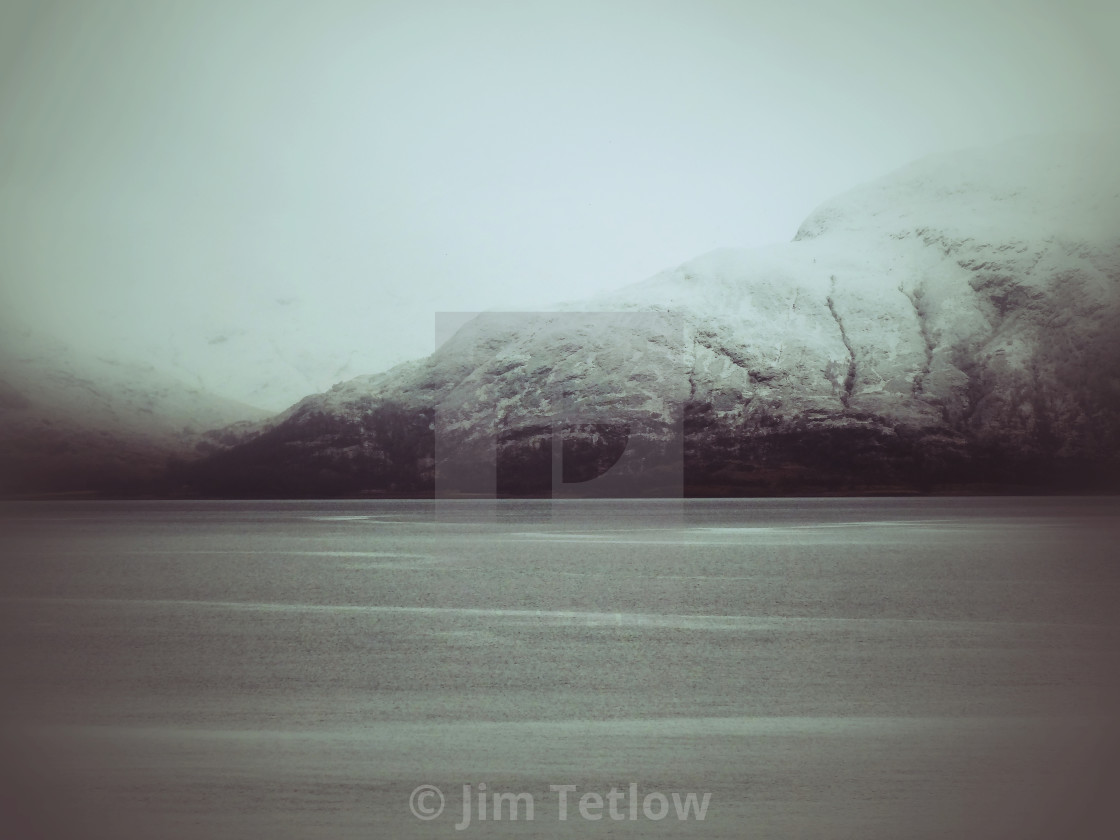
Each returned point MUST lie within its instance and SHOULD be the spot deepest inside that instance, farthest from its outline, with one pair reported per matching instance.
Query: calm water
(867, 668)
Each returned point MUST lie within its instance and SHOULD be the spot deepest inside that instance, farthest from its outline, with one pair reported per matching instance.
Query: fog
(204, 184)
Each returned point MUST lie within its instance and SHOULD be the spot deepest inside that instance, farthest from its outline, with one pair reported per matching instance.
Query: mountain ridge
(949, 326)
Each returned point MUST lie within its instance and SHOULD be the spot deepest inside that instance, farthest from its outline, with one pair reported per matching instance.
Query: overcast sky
(168, 167)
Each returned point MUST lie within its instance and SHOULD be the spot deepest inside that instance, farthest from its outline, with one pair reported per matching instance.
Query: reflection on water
(824, 668)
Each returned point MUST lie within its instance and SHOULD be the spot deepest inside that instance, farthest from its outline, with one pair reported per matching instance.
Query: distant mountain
(270, 351)
(70, 422)
(951, 326)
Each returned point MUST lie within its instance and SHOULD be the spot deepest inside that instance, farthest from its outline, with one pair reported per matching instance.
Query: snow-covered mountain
(953, 324)
(268, 351)
(71, 421)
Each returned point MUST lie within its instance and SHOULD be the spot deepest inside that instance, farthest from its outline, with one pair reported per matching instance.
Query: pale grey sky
(193, 169)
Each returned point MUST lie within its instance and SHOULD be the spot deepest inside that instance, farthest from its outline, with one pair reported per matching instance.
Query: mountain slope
(951, 325)
(70, 422)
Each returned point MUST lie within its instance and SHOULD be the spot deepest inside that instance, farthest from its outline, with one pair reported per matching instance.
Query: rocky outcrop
(951, 326)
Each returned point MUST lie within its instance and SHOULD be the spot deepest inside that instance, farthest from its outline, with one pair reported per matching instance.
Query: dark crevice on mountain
(850, 377)
(711, 341)
(917, 301)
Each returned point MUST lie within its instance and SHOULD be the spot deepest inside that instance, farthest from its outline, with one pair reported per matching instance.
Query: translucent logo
(560, 405)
